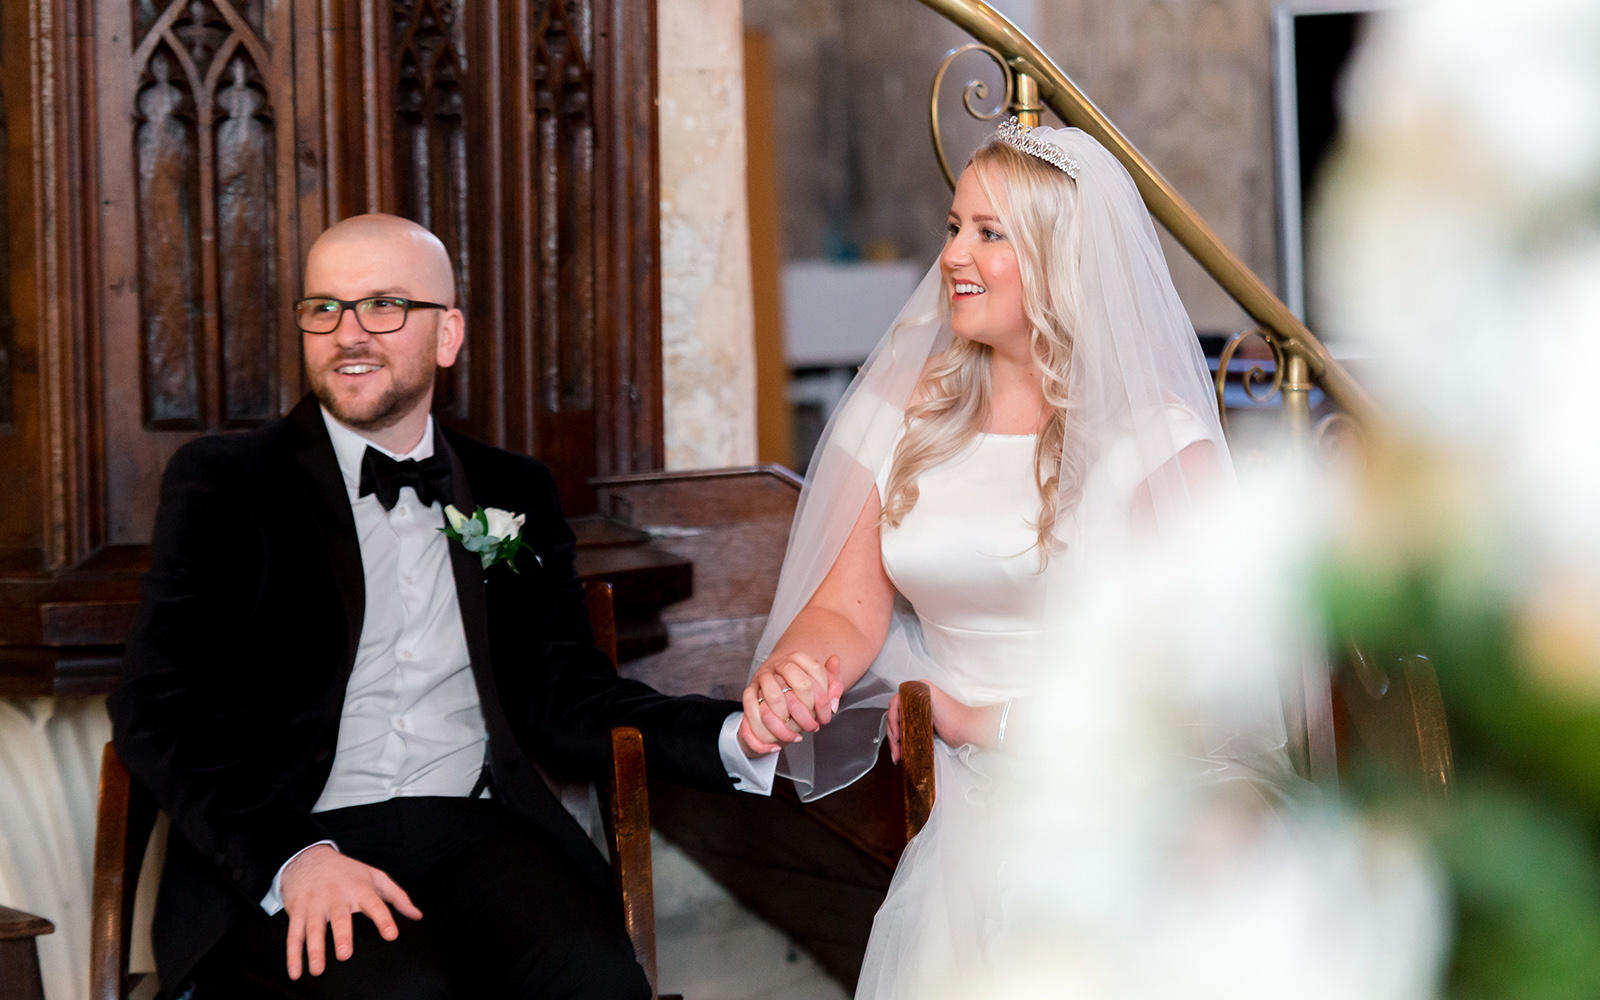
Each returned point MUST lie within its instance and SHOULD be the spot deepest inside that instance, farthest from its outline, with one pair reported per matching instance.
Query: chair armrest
(916, 753)
(628, 824)
(125, 814)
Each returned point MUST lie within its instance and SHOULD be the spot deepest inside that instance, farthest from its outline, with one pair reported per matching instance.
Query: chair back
(598, 601)
(916, 753)
(627, 809)
(124, 818)
(1394, 710)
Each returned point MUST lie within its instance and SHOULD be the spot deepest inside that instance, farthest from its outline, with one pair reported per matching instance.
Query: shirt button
(400, 511)
(407, 578)
(399, 722)
(406, 654)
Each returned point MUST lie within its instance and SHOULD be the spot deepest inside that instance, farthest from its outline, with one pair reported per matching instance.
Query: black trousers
(504, 914)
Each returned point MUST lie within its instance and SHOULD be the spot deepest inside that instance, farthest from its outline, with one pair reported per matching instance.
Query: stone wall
(1189, 81)
(850, 81)
(706, 324)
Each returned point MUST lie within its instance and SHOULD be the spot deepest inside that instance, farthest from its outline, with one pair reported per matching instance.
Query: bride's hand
(955, 722)
(788, 694)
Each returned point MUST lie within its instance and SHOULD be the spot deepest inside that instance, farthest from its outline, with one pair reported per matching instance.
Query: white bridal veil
(1138, 395)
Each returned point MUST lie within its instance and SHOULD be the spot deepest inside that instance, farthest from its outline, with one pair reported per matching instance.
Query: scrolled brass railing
(1033, 82)
(974, 89)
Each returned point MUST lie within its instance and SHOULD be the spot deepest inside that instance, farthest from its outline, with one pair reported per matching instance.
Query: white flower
(503, 524)
(491, 534)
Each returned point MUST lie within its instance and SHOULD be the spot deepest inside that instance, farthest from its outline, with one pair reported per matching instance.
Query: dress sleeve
(1156, 438)
(866, 429)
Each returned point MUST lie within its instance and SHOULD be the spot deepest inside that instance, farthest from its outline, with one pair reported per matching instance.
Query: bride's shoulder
(862, 419)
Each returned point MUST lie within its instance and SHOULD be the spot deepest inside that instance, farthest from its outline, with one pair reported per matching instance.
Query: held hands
(322, 889)
(788, 695)
(957, 723)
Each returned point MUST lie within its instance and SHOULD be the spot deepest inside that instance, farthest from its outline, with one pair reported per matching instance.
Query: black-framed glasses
(375, 314)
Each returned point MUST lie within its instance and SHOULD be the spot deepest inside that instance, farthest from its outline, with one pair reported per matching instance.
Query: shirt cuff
(754, 776)
(272, 902)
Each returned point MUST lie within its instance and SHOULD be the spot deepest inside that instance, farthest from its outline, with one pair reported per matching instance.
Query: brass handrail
(1061, 95)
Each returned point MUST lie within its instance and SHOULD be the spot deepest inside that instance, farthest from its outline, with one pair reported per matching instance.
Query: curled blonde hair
(952, 398)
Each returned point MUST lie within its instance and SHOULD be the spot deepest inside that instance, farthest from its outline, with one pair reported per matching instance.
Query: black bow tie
(384, 476)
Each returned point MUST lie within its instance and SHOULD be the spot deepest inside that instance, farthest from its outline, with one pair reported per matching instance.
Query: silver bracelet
(1000, 734)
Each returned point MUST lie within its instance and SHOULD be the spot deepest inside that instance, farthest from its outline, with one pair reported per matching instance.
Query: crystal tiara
(1015, 134)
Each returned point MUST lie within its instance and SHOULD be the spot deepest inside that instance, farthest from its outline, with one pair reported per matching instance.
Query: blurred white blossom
(1463, 225)
(1145, 844)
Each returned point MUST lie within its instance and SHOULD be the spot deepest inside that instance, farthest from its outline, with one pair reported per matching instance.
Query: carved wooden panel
(249, 325)
(198, 235)
(30, 521)
(628, 389)
(167, 162)
(7, 323)
(526, 173)
(431, 173)
(169, 243)
(552, 140)
(204, 142)
(563, 137)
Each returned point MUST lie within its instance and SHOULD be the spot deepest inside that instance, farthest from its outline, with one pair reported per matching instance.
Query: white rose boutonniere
(494, 535)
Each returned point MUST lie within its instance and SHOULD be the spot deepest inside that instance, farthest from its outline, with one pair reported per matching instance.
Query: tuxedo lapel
(330, 508)
(470, 593)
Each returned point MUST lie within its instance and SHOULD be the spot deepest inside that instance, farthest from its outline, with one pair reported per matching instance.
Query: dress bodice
(967, 560)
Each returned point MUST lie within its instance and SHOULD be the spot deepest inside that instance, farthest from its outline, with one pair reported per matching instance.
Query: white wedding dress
(965, 558)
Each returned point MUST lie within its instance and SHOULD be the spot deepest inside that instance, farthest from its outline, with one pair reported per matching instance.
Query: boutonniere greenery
(494, 535)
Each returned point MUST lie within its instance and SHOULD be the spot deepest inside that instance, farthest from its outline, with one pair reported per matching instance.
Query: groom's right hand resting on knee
(322, 890)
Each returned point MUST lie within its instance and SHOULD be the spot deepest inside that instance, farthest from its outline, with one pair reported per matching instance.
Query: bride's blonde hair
(952, 398)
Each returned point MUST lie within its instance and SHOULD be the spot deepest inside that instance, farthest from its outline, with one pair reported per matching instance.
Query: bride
(1040, 396)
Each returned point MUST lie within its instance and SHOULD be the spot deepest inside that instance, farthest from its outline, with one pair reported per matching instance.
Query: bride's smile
(981, 275)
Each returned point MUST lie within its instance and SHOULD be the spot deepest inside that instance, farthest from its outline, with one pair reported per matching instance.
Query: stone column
(707, 334)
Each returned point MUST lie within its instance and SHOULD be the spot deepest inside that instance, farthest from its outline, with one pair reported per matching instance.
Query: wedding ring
(786, 690)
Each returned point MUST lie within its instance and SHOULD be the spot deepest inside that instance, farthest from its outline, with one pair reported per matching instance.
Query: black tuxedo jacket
(235, 676)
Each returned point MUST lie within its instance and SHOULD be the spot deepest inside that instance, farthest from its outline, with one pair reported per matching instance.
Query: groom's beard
(398, 389)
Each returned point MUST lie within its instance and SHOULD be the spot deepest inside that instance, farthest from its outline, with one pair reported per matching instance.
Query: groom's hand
(322, 890)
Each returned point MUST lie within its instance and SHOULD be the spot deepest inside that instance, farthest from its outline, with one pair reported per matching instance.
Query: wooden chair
(126, 816)
(1393, 708)
(19, 954)
(916, 753)
(627, 812)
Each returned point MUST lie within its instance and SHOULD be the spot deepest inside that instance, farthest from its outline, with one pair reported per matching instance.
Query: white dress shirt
(411, 723)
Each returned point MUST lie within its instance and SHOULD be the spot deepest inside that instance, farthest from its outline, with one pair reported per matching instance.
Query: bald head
(392, 255)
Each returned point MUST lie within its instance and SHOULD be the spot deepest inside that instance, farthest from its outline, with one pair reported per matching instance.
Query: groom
(344, 714)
